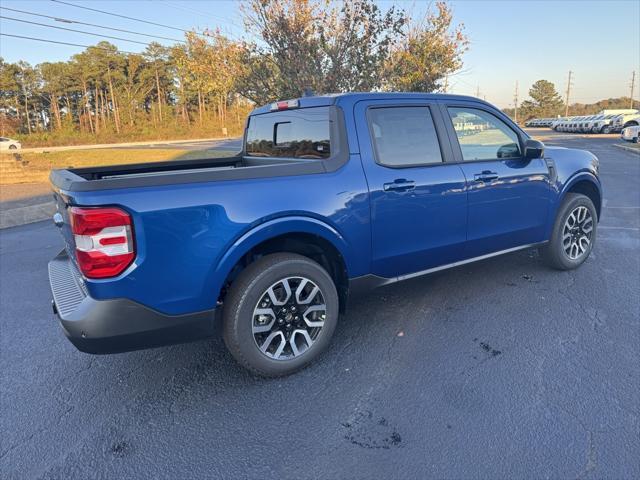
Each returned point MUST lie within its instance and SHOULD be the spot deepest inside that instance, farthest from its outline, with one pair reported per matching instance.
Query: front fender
(265, 231)
(563, 188)
(578, 177)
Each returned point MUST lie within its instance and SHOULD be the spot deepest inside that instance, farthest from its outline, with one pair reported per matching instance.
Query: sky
(523, 41)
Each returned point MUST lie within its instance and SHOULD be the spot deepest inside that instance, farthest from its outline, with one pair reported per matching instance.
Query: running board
(371, 281)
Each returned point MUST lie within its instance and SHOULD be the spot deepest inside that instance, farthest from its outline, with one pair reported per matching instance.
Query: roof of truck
(353, 97)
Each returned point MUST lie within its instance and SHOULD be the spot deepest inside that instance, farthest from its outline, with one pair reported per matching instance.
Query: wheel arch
(587, 185)
(305, 236)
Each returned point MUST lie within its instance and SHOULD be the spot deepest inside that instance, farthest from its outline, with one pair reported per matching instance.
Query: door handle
(485, 176)
(399, 185)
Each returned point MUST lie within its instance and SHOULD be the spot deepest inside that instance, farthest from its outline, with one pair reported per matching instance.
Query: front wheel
(574, 233)
(606, 129)
(280, 314)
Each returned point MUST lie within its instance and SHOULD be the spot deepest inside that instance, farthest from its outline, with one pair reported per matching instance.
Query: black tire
(243, 297)
(12, 147)
(635, 140)
(606, 129)
(554, 252)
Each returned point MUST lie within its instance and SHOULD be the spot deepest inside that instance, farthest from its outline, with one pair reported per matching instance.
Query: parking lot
(498, 369)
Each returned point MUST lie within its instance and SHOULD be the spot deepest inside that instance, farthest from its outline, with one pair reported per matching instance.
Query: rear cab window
(296, 133)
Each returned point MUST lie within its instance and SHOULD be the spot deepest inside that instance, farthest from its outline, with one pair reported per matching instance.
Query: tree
(545, 101)
(430, 52)
(9, 95)
(304, 44)
(157, 57)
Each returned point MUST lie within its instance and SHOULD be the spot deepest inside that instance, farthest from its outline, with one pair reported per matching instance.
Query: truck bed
(237, 167)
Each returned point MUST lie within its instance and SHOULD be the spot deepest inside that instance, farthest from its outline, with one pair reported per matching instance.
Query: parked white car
(573, 123)
(582, 124)
(555, 124)
(9, 144)
(630, 134)
(626, 120)
(603, 125)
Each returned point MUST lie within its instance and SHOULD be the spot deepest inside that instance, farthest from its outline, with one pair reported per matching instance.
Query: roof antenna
(308, 92)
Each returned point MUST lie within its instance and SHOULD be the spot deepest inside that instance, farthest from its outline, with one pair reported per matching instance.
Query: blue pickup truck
(330, 195)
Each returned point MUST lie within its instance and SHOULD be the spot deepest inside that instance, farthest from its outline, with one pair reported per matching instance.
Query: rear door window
(404, 136)
(303, 133)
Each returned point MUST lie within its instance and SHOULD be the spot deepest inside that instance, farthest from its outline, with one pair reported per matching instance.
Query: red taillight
(104, 240)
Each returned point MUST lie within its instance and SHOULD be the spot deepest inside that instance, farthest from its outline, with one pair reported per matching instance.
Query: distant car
(575, 124)
(555, 124)
(9, 144)
(584, 124)
(630, 134)
(603, 124)
(626, 120)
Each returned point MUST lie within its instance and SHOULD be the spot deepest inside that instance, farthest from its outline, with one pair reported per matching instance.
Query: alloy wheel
(288, 318)
(577, 233)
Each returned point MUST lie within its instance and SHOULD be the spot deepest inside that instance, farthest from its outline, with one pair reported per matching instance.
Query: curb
(12, 217)
(628, 149)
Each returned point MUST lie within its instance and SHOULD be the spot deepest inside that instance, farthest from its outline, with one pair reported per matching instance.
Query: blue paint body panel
(189, 236)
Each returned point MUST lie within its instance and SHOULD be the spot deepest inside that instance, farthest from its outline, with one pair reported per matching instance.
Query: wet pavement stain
(120, 449)
(368, 432)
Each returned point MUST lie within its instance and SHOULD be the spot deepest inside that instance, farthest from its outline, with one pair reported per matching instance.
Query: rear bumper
(116, 325)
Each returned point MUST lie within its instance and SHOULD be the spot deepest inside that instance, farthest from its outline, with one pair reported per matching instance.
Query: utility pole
(446, 84)
(566, 110)
(515, 103)
(633, 85)
(478, 91)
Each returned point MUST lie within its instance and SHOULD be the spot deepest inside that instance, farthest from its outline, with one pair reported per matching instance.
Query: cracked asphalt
(499, 369)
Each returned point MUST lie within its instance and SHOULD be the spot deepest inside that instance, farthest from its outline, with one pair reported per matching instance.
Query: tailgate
(61, 219)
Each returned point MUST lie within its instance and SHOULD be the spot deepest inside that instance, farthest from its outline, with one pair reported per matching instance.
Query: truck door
(508, 194)
(418, 199)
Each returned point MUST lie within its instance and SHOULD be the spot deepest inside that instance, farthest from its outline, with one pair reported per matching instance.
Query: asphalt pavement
(499, 369)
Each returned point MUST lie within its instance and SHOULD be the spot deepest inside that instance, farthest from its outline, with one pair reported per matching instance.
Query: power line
(121, 16)
(60, 43)
(200, 12)
(67, 20)
(73, 30)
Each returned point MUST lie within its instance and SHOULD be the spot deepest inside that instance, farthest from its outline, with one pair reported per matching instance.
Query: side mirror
(533, 149)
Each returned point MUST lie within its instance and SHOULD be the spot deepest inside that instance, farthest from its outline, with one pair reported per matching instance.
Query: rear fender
(265, 231)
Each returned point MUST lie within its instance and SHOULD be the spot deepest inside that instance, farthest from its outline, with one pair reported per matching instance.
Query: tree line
(545, 102)
(209, 82)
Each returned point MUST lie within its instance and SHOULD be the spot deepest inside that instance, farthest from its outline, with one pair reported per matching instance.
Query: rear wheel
(606, 129)
(574, 233)
(12, 147)
(280, 314)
